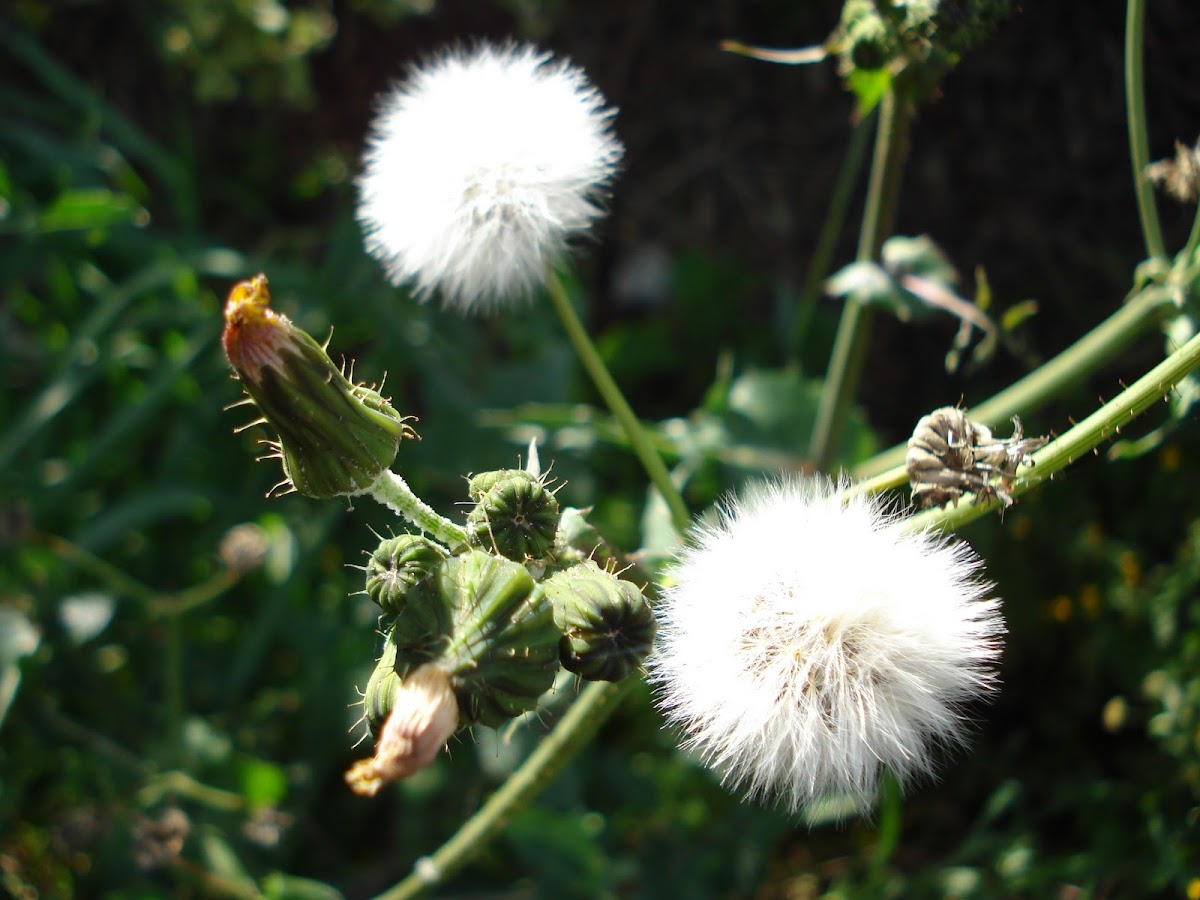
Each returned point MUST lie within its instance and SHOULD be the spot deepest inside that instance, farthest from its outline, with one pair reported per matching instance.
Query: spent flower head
(480, 166)
(808, 642)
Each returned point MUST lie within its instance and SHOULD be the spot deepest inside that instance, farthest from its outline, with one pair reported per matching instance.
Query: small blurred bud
(515, 515)
(156, 842)
(266, 826)
(606, 623)
(335, 437)
(423, 716)
(396, 565)
(243, 548)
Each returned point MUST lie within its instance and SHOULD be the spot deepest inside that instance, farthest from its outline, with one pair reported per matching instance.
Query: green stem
(850, 343)
(393, 492)
(594, 705)
(1099, 345)
(1101, 425)
(643, 448)
(1193, 241)
(173, 676)
(1135, 115)
(831, 228)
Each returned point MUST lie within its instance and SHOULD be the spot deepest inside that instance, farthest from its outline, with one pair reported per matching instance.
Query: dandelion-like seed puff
(480, 167)
(808, 643)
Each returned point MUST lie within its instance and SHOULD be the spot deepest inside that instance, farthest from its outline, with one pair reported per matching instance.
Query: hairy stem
(393, 492)
(643, 447)
(850, 343)
(1135, 115)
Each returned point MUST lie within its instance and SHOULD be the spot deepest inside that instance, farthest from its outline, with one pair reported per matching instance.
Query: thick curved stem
(393, 492)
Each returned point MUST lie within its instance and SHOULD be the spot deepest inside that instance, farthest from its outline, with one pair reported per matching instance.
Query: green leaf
(222, 860)
(868, 87)
(85, 208)
(278, 886)
(263, 783)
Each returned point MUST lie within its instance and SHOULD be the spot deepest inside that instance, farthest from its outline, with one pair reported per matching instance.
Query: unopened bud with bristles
(335, 437)
(606, 622)
(515, 515)
(396, 565)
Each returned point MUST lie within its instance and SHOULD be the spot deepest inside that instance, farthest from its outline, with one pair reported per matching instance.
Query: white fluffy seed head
(480, 166)
(807, 643)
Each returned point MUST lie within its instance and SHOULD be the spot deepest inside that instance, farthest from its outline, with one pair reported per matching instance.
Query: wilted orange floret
(253, 332)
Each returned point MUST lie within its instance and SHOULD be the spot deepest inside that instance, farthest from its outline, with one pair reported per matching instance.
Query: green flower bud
(396, 565)
(479, 619)
(480, 484)
(335, 437)
(516, 515)
(606, 623)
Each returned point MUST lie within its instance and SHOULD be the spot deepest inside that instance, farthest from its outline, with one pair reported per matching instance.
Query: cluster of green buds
(477, 620)
(335, 437)
(923, 37)
(476, 634)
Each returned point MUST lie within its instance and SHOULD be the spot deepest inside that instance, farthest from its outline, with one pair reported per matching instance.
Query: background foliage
(152, 154)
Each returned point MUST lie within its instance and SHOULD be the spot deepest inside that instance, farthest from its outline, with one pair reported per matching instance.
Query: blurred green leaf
(85, 208)
(868, 87)
(263, 783)
(278, 886)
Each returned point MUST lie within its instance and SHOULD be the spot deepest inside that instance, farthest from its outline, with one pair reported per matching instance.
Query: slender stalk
(643, 447)
(594, 705)
(1108, 420)
(850, 343)
(1193, 241)
(173, 676)
(831, 228)
(393, 492)
(1135, 116)
(1145, 309)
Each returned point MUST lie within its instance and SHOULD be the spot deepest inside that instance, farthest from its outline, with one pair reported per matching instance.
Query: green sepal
(480, 620)
(380, 695)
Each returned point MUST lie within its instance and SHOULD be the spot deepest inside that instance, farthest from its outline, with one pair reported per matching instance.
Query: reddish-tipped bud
(335, 437)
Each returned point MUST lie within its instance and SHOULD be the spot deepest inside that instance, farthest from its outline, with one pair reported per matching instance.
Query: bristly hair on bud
(808, 642)
(480, 167)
